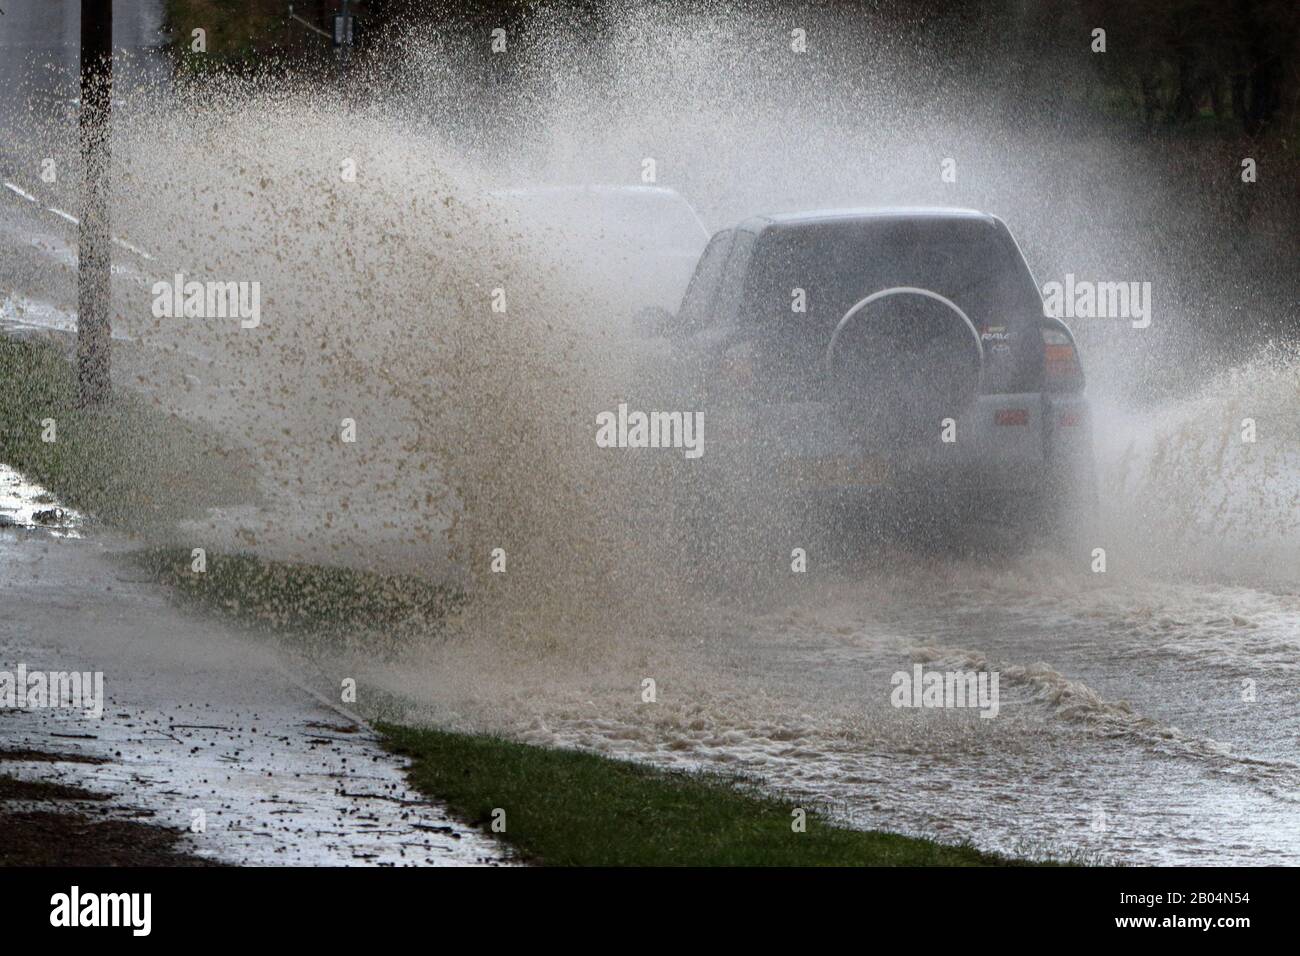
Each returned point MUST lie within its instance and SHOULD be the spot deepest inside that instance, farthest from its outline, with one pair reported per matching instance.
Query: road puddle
(27, 507)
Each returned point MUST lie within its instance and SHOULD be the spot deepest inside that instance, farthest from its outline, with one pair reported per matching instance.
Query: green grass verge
(568, 808)
(323, 604)
(126, 463)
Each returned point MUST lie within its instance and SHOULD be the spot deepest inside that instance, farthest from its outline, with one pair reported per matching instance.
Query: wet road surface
(196, 723)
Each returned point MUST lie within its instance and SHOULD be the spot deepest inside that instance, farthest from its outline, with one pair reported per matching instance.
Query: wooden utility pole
(94, 252)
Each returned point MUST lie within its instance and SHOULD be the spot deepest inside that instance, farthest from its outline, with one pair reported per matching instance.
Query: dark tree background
(1233, 65)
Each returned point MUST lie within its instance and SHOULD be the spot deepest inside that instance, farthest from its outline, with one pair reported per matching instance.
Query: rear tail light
(1061, 370)
(1011, 416)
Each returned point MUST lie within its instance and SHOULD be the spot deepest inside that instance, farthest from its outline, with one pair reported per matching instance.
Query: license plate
(850, 472)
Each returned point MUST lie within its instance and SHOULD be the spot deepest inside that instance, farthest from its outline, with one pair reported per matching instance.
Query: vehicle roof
(604, 195)
(587, 189)
(757, 223)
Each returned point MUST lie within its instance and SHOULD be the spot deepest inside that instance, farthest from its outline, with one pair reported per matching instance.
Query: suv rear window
(971, 263)
(837, 264)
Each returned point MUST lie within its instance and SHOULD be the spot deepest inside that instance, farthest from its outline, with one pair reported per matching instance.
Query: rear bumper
(1002, 444)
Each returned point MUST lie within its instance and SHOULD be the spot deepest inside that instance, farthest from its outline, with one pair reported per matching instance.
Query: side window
(697, 303)
(732, 289)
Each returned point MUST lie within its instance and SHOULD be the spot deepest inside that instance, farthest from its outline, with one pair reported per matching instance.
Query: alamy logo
(103, 909)
(624, 429)
(179, 299)
(22, 689)
(1098, 300)
(941, 689)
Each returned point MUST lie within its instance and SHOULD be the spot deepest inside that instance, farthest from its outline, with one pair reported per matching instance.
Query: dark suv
(853, 352)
